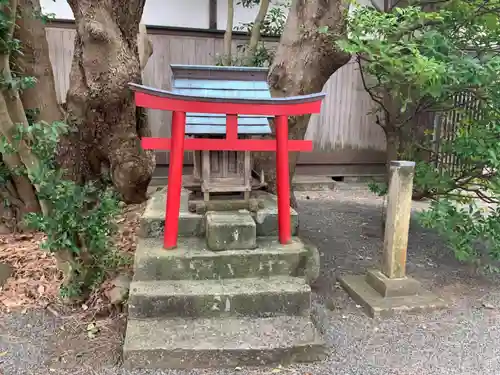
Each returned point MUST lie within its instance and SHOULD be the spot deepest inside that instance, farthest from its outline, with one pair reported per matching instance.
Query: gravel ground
(345, 225)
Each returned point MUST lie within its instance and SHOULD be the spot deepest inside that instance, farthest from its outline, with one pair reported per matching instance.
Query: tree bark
(144, 46)
(228, 35)
(12, 112)
(34, 61)
(305, 60)
(257, 25)
(19, 190)
(100, 105)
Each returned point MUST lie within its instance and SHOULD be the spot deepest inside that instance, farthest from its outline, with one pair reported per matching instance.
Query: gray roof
(222, 82)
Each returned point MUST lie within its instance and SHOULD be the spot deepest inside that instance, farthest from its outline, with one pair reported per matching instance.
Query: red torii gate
(179, 104)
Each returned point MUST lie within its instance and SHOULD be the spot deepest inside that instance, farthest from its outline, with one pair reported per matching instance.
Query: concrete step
(278, 295)
(190, 224)
(191, 260)
(220, 342)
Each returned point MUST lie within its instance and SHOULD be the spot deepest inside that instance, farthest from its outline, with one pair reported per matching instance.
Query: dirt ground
(345, 225)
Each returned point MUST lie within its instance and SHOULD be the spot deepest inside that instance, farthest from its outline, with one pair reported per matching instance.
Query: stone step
(278, 295)
(152, 224)
(220, 342)
(191, 260)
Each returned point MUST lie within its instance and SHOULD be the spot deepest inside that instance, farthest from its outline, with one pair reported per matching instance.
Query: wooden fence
(446, 128)
(343, 134)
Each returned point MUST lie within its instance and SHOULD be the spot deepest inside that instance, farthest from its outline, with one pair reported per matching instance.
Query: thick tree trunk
(99, 103)
(228, 35)
(34, 61)
(304, 61)
(257, 25)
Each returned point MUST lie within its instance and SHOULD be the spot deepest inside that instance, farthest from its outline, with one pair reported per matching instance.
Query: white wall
(59, 8)
(179, 13)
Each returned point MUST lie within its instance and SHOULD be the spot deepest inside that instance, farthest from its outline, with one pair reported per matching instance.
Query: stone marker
(390, 290)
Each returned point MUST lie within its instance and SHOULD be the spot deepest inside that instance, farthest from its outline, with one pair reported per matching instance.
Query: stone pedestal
(383, 292)
(229, 295)
(230, 231)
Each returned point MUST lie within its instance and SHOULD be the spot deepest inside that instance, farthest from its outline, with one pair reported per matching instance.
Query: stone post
(397, 222)
(384, 291)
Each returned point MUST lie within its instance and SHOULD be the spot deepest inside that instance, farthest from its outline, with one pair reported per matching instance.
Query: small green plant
(81, 222)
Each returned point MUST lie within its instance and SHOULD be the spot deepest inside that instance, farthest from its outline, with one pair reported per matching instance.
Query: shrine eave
(293, 105)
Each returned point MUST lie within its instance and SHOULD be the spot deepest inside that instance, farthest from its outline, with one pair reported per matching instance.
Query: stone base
(199, 206)
(376, 305)
(230, 231)
(387, 287)
(152, 223)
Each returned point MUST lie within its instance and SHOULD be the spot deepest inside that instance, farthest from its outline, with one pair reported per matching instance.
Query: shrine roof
(222, 82)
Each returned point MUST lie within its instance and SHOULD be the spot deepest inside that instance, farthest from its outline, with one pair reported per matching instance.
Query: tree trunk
(100, 105)
(144, 46)
(393, 144)
(305, 60)
(228, 35)
(34, 61)
(19, 190)
(257, 25)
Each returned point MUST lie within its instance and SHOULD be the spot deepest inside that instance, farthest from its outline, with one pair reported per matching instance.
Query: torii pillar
(389, 290)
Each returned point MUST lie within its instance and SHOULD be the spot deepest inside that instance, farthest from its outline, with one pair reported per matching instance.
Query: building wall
(172, 13)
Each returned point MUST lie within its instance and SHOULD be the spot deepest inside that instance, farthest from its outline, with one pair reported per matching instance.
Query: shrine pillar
(174, 180)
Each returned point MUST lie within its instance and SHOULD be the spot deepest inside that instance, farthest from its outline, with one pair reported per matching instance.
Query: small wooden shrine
(222, 171)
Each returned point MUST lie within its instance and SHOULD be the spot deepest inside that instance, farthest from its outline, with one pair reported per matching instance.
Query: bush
(80, 223)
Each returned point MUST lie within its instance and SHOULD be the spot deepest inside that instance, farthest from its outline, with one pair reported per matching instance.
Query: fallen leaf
(3, 354)
(92, 330)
